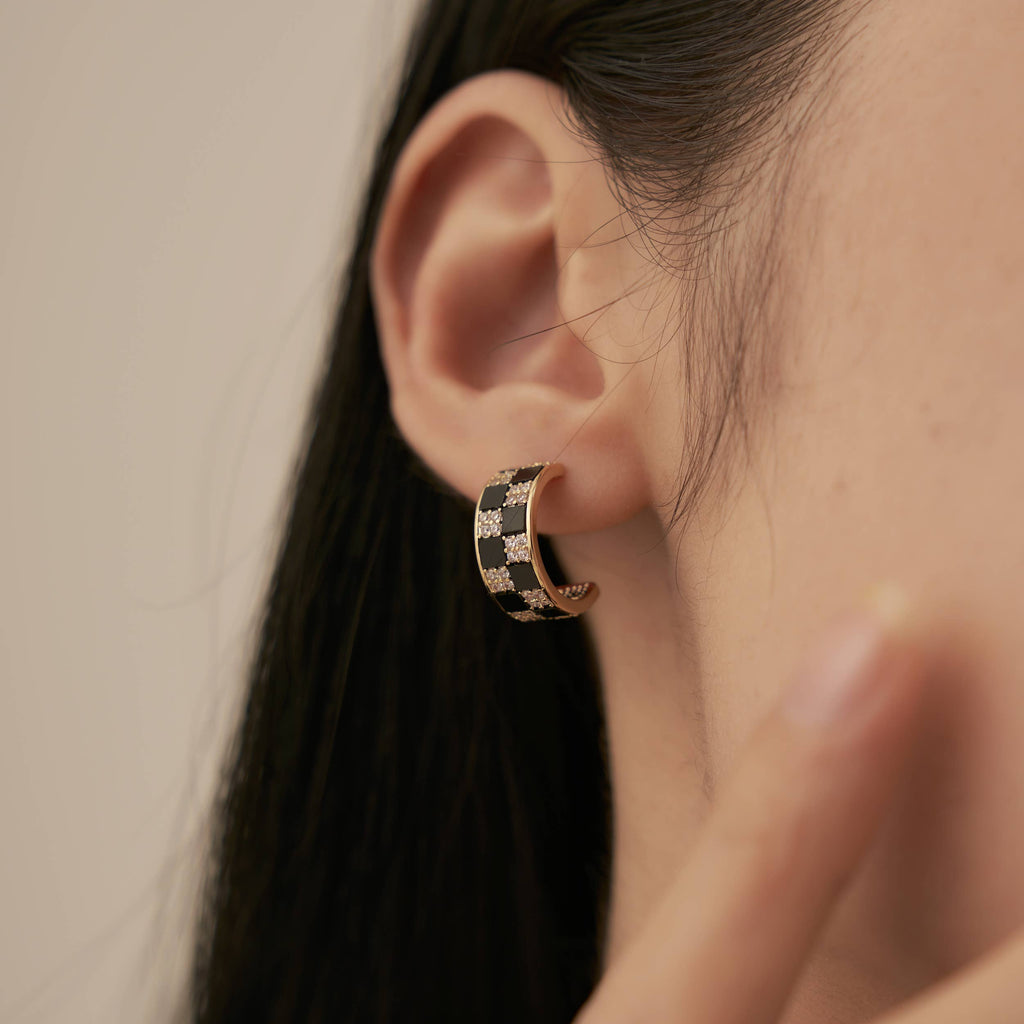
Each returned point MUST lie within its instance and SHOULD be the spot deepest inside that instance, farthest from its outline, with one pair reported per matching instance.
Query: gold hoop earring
(505, 539)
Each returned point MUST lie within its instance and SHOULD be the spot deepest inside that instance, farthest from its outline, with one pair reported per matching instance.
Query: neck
(650, 671)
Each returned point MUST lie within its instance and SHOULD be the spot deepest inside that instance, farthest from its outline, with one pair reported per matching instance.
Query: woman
(750, 273)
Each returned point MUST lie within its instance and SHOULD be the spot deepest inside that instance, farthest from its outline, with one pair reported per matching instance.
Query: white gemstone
(518, 493)
(536, 599)
(525, 616)
(498, 580)
(488, 524)
(517, 548)
(501, 478)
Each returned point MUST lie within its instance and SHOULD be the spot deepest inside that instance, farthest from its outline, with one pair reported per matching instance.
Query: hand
(788, 830)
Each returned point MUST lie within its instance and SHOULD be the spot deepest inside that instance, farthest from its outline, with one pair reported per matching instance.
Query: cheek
(904, 397)
(922, 201)
(900, 428)
(912, 346)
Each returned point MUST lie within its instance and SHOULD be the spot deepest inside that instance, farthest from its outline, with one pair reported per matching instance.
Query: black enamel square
(513, 519)
(523, 577)
(526, 473)
(552, 613)
(492, 552)
(493, 496)
(511, 602)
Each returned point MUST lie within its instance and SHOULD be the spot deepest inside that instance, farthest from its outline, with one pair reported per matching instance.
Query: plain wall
(176, 181)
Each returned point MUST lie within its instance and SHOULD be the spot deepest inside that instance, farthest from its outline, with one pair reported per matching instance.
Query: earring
(505, 538)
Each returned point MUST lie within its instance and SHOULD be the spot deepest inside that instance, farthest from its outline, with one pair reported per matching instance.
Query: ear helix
(505, 539)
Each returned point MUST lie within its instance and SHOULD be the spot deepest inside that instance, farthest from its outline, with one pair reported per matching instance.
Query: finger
(990, 991)
(786, 832)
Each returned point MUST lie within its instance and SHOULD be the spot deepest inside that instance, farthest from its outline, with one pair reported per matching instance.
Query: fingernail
(842, 667)
(889, 602)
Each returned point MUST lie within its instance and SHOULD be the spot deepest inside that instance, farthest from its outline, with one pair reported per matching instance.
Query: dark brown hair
(414, 822)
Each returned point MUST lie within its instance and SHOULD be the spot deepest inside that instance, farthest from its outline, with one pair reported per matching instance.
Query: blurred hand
(788, 830)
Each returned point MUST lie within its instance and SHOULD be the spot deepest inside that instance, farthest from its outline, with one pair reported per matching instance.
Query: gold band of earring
(505, 539)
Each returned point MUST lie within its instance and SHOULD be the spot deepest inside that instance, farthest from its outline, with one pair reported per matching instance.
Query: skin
(887, 446)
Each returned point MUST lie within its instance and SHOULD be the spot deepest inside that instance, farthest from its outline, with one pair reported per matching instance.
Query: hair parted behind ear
(413, 823)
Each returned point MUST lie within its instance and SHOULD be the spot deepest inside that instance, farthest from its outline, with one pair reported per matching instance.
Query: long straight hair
(414, 821)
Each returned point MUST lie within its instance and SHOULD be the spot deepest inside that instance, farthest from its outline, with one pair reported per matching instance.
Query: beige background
(175, 184)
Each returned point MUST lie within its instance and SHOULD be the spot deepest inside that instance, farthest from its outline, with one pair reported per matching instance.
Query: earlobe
(482, 291)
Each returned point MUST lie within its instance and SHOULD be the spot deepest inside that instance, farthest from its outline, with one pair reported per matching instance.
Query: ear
(497, 267)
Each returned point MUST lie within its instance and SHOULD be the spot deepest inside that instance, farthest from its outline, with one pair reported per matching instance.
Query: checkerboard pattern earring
(506, 548)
